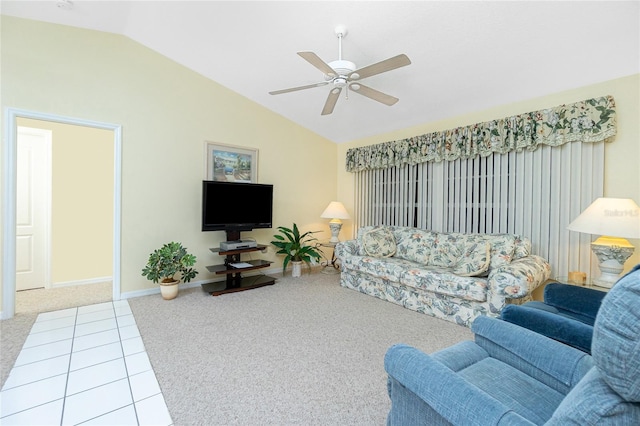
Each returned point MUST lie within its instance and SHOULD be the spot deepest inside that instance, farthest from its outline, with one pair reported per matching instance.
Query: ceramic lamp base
(335, 226)
(612, 253)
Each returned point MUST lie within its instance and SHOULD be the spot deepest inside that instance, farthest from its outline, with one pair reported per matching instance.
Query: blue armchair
(510, 375)
(566, 315)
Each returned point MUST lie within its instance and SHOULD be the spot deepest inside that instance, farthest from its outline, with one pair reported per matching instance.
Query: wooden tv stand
(235, 281)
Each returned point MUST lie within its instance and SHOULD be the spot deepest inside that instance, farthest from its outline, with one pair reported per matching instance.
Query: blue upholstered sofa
(513, 376)
(451, 276)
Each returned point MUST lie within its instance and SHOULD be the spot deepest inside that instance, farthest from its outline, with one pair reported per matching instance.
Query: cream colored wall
(167, 112)
(82, 201)
(622, 157)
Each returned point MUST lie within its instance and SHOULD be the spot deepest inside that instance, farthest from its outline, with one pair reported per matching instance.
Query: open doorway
(78, 269)
(63, 243)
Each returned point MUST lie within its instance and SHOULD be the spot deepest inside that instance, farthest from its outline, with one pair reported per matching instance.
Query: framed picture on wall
(230, 163)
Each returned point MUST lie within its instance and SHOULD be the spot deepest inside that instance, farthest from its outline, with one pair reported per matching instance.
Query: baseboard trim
(156, 290)
(277, 272)
(82, 282)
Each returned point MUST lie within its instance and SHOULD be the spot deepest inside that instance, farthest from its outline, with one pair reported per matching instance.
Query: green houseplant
(295, 247)
(164, 263)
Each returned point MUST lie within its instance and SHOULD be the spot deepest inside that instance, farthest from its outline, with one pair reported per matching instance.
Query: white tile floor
(86, 366)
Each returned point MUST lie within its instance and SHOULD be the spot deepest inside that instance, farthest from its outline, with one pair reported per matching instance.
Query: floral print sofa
(451, 276)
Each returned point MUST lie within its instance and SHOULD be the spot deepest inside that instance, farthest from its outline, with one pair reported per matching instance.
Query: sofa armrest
(519, 278)
(553, 363)
(550, 324)
(346, 248)
(437, 386)
(581, 302)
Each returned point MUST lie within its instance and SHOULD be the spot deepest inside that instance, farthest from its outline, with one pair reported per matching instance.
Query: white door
(33, 203)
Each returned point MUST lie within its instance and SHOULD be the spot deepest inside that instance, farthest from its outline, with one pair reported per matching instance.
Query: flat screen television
(235, 207)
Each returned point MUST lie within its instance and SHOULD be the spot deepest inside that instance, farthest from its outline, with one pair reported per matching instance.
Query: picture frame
(230, 163)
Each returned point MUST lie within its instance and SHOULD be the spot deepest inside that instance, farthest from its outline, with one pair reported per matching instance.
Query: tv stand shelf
(260, 247)
(234, 280)
(224, 269)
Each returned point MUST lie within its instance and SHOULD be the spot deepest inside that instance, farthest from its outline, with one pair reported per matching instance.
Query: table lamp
(335, 211)
(614, 219)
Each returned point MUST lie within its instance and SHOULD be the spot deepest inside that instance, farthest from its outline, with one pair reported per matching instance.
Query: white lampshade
(335, 210)
(613, 217)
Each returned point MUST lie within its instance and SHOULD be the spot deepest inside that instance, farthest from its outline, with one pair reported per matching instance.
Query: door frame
(9, 156)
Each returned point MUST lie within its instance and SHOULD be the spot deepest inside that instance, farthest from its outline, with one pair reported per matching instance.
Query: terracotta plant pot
(169, 290)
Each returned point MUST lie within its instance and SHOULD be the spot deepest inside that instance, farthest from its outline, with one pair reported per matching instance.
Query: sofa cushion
(474, 259)
(449, 248)
(379, 242)
(462, 254)
(390, 268)
(414, 244)
(447, 252)
(446, 283)
(523, 247)
(503, 247)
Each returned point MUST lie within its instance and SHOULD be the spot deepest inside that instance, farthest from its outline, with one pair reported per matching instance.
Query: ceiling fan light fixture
(354, 86)
(340, 82)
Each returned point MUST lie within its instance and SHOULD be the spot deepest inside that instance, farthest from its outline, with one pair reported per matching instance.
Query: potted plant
(295, 248)
(164, 263)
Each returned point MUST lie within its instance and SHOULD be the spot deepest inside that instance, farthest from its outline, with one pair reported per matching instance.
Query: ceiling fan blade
(315, 60)
(334, 94)
(380, 67)
(293, 89)
(373, 94)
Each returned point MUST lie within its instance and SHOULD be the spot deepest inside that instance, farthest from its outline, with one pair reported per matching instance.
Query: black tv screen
(229, 206)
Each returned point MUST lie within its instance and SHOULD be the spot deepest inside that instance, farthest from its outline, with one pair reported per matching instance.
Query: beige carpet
(302, 352)
(29, 303)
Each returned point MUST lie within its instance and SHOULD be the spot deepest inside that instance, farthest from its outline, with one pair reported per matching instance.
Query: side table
(588, 283)
(330, 266)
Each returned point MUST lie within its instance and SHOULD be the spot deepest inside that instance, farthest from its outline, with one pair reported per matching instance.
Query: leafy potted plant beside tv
(296, 248)
(164, 263)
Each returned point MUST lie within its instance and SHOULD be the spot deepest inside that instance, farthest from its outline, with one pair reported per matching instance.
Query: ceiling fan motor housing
(342, 67)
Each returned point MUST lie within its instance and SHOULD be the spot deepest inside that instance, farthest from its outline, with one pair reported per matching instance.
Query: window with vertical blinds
(532, 193)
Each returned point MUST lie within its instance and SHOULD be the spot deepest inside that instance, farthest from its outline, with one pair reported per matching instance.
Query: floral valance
(591, 120)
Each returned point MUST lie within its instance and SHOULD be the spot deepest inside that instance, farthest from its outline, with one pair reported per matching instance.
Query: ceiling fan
(343, 74)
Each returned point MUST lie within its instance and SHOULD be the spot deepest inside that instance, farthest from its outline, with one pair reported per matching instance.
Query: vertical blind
(532, 193)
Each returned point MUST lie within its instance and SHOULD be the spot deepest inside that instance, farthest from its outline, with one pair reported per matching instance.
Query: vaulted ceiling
(465, 56)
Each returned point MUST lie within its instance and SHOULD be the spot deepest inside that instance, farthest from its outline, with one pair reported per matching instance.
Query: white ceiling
(466, 56)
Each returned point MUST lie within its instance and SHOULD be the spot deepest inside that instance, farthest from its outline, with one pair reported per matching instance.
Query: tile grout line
(66, 384)
(124, 359)
(125, 366)
(126, 371)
